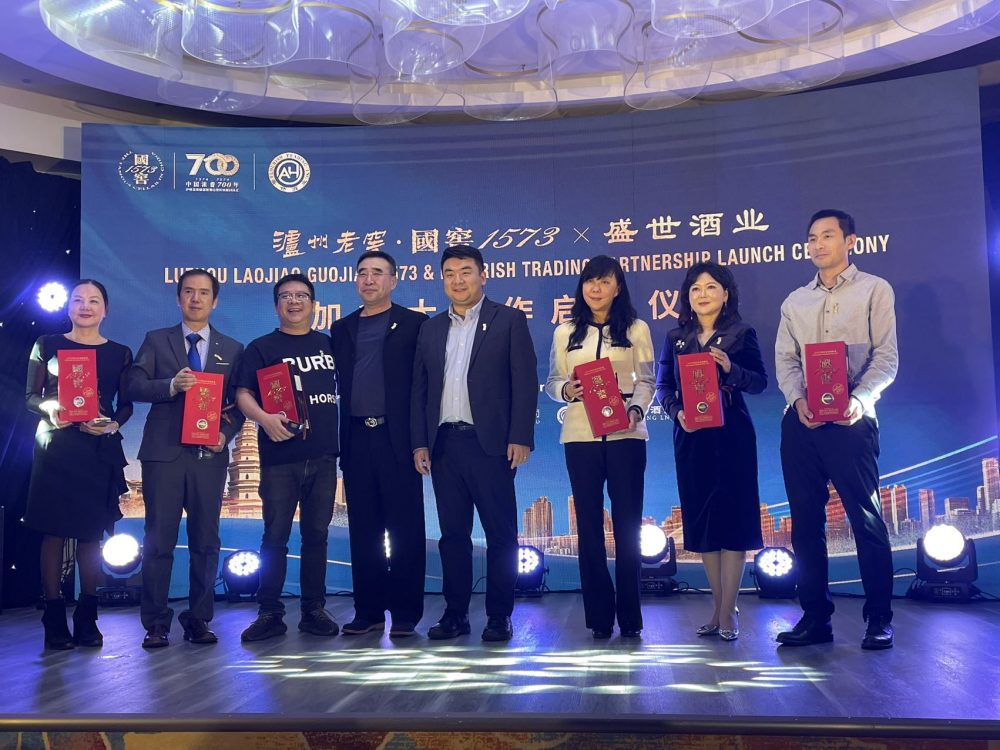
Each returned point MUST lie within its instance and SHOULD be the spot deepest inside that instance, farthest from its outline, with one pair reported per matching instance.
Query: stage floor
(942, 676)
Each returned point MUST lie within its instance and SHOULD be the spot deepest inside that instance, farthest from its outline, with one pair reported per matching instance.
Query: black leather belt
(459, 426)
(369, 421)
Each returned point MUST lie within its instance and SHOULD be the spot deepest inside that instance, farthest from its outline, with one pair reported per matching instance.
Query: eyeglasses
(297, 296)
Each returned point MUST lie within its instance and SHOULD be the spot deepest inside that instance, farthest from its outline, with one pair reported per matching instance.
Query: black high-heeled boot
(57, 635)
(85, 632)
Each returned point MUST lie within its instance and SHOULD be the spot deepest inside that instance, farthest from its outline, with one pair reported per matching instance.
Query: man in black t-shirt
(297, 467)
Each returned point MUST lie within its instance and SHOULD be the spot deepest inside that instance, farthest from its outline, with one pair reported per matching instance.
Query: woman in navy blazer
(716, 467)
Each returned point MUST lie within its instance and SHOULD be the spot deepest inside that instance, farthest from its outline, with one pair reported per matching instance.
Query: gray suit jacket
(160, 357)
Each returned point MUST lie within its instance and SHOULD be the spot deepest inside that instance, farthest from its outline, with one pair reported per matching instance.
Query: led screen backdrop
(733, 183)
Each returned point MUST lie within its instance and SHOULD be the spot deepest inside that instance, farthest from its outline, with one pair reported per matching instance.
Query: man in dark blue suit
(178, 477)
(475, 391)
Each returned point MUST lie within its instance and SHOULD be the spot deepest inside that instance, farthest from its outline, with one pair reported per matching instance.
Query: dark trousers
(622, 465)
(384, 495)
(848, 457)
(170, 487)
(311, 485)
(464, 477)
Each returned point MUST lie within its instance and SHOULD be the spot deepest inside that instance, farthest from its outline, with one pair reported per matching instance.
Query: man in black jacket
(374, 349)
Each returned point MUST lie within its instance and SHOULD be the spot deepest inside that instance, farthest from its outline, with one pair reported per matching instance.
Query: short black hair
(198, 272)
(377, 254)
(95, 282)
(687, 319)
(294, 277)
(464, 251)
(843, 218)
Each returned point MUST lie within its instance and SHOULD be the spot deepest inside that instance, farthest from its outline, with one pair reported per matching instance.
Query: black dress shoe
(195, 630)
(807, 632)
(361, 625)
(631, 632)
(602, 634)
(157, 636)
(402, 629)
(878, 635)
(449, 626)
(498, 629)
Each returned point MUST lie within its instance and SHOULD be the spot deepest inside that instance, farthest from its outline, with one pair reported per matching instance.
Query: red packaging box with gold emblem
(602, 398)
(281, 392)
(202, 410)
(700, 392)
(827, 393)
(78, 385)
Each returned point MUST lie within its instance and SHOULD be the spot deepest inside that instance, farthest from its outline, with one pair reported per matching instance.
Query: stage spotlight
(946, 566)
(52, 297)
(659, 561)
(388, 547)
(530, 571)
(121, 555)
(774, 573)
(241, 575)
(652, 543)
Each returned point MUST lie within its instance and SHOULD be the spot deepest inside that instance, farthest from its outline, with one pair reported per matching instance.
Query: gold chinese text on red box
(202, 410)
(827, 393)
(281, 392)
(602, 399)
(78, 385)
(700, 392)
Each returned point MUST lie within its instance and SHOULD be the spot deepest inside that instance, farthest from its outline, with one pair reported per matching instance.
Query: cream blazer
(633, 367)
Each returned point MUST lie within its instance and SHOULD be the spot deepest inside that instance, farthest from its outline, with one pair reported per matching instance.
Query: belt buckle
(371, 422)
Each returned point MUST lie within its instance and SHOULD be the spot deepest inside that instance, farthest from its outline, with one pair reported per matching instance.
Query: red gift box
(77, 387)
(602, 398)
(700, 391)
(827, 393)
(202, 410)
(281, 392)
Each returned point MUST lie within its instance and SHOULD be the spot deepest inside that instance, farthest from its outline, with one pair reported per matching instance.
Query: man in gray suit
(178, 477)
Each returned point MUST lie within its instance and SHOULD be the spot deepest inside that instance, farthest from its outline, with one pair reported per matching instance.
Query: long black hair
(622, 314)
(688, 319)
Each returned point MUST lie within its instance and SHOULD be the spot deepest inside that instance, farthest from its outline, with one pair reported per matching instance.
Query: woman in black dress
(77, 473)
(717, 467)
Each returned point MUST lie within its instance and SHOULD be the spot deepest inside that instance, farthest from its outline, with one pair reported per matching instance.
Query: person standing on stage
(475, 394)
(297, 468)
(176, 477)
(77, 473)
(840, 303)
(604, 323)
(717, 467)
(374, 349)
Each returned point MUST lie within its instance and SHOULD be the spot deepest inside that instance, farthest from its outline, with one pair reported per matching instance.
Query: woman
(604, 324)
(78, 471)
(717, 467)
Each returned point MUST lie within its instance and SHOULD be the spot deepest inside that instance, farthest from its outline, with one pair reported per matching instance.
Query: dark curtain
(39, 242)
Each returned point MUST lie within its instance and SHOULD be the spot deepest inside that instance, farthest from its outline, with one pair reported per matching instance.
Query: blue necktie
(194, 359)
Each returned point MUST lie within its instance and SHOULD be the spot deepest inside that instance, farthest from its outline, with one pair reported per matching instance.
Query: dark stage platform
(941, 679)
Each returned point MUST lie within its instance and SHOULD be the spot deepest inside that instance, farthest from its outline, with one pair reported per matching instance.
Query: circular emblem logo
(826, 398)
(222, 165)
(288, 172)
(141, 171)
(88, 392)
(607, 411)
(702, 407)
(710, 397)
(79, 401)
(561, 414)
(202, 424)
(838, 389)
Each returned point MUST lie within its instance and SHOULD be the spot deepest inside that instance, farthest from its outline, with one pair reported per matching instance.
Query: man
(475, 390)
(840, 304)
(178, 477)
(374, 349)
(298, 467)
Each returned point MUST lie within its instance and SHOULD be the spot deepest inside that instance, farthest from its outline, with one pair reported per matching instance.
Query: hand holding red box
(77, 388)
(202, 410)
(602, 398)
(700, 391)
(827, 393)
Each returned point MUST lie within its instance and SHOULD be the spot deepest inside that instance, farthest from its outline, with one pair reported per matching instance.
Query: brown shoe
(195, 630)
(157, 636)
